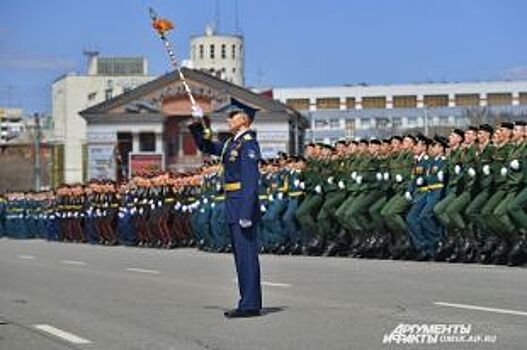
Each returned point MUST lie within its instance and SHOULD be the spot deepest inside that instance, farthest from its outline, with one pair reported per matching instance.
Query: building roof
(263, 103)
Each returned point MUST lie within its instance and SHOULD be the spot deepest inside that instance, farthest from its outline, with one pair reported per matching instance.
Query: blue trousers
(245, 249)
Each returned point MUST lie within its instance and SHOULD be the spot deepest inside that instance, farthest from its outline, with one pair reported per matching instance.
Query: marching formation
(461, 199)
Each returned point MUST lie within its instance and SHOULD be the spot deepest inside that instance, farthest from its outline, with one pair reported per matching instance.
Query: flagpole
(162, 26)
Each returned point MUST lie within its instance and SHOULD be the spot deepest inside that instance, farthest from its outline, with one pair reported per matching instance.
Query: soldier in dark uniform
(240, 156)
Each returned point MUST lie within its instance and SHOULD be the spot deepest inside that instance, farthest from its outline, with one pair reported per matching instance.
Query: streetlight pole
(37, 152)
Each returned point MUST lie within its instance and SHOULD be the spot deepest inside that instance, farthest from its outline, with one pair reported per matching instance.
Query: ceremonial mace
(163, 26)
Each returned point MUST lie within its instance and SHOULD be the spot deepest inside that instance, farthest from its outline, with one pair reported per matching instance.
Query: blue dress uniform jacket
(240, 159)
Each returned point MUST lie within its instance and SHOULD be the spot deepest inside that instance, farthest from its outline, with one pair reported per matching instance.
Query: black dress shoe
(236, 313)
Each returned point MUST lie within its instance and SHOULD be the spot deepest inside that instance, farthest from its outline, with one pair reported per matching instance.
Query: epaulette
(247, 137)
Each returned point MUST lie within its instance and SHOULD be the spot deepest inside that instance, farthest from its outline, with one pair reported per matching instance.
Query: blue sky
(288, 43)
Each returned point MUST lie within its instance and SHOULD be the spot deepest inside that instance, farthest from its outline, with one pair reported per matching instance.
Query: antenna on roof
(237, 29)
(217, 16)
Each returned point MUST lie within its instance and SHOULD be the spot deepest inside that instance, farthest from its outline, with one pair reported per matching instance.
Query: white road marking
(59, 333)
(73, 262)
(269, 284)
(26, 257)
(482, 308)
(154, 272)
(274, 284)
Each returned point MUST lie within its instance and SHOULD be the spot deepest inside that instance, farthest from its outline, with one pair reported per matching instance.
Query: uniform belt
(295, 194)
(434, 186)
(169, 200)
(219, 198)
(263, 196)
(232, 186)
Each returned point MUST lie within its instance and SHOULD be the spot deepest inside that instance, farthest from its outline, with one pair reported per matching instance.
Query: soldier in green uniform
(498, 172)
(485, 155)
(393, 212)
(453, 189)
(308, 210)
(516, 207)
(514, 183)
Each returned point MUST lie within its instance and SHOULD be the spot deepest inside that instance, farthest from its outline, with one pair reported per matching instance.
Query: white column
(483, 99)
(516, 98)
(159, 143)
(135, 142)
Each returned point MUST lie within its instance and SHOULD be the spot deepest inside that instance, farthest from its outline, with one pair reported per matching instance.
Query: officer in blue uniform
(239, 155)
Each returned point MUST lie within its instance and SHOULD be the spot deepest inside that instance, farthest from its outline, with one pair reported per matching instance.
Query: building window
(147, 142)
(108, 93)
(443, 120)
(365, 123)
(350, 102)
(404, 101)
(467, 100)
(298, 103)
(212, 53)
(523, 98)
(321, 124)
(382, 123)
(234, 71)
(436, 101)
(223, 51)
(193, 52)
(201, 52)
(350, 125)
(233, 53)
(499, 99)
(328, 103)
(334, 124)
(411, 122)
(374, 102)
(397, 122)
(91, 96)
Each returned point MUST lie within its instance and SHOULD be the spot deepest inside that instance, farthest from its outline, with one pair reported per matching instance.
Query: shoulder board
(247, 137)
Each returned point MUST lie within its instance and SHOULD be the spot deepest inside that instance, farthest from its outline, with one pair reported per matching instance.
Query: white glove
(149, 202)
(318, 189)
(386, 176)
(177, 206)
(330, 180)
(503, 171)
(218, 187)
(399, 178)
(515, 164)
(296, 183)
(132, 211)
(144, 201)
(341, 185)
(244, 223)
(205, 201)
(271, 198)
(359, 179)
(441, 176)
(471, 172)
(303, 185)
(121, 215)
(152, 206)
(378, 176)
(197, 112)
(212, 205)
(159, 204)
(135, 200)
(185, 208)
(262, 208)
(486, 169)
(141, 211)
(408, 196)
(419, 181)
(280, 195)
(354, 175)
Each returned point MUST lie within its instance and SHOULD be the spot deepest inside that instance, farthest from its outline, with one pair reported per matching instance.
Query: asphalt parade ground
(75, 296)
